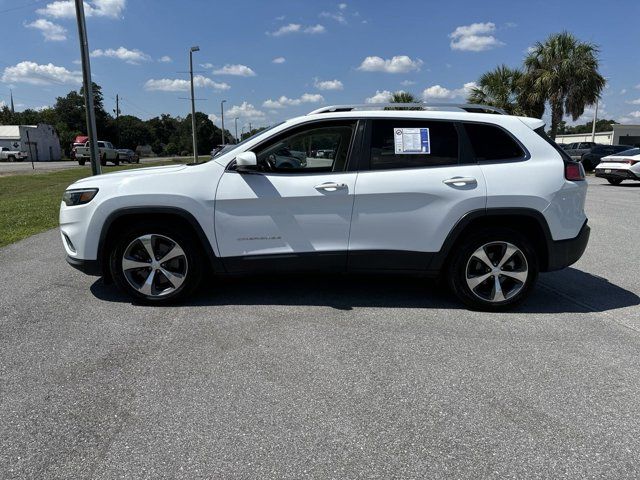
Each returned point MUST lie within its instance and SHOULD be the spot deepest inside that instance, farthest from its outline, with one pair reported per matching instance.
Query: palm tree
(403, 97)
(499, 88)
(562, 71)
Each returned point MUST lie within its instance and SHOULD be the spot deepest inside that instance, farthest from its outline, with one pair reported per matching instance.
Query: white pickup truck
(11, 155)
(106, 151)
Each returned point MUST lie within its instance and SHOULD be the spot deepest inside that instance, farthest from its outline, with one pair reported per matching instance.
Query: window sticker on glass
(412, 141)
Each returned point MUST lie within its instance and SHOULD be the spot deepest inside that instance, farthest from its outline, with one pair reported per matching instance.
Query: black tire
(116, 162)
(463, 259)
(187, 241)
(82, 162)
(586, 164)
(614, 181)
(11, 158)
(103, 160)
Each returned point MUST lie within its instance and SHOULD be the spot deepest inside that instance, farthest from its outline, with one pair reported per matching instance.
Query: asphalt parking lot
(325, 377)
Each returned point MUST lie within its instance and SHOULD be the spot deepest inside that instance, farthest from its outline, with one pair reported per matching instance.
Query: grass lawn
(29, 204)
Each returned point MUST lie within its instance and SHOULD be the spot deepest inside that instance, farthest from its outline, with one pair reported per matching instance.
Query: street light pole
(193, 104)
(88, 89)
(236, 122)
(222, 116)
(593, 127)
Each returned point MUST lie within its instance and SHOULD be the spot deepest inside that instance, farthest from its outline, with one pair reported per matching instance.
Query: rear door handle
(330, 186)
(460, 181)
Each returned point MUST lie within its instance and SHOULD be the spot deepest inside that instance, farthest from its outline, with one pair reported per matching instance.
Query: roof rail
(467, 107)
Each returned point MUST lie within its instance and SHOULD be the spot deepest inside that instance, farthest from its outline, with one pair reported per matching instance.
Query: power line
(26, 5)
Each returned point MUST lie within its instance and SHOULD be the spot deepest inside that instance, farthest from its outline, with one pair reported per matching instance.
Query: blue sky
(271, 60)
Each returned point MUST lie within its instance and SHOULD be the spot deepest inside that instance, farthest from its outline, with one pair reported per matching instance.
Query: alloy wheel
(496, 272)
(154, 265)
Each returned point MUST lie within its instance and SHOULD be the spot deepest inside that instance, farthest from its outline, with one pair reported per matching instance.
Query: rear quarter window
(492, 143)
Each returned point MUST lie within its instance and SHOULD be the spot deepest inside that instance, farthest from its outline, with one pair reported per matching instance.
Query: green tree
(563, 72)
(499, 88)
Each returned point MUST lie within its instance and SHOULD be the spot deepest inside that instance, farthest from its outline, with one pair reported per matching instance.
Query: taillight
(630, 162)
(573, 171)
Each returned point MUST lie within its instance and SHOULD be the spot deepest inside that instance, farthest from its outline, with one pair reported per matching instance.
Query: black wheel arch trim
(215, 262)
(556, 256)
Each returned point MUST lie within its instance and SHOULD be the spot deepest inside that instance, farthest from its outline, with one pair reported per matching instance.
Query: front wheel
(116, 162)
(156, 264)
(493, 270)
(614, 181)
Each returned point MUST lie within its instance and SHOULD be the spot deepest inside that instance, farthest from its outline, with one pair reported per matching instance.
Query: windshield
(228, 148)
(630, 152)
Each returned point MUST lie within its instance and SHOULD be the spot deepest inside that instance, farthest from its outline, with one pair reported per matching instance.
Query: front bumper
(89, 267)
(563, 253)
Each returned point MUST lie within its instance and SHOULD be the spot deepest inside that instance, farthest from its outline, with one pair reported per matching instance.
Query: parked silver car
(577, 149)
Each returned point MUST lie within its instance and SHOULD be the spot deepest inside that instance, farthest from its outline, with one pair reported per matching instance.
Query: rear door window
(399, 143)
(492, 143)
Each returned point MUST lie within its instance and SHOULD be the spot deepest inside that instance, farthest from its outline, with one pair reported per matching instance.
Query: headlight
(79, 196)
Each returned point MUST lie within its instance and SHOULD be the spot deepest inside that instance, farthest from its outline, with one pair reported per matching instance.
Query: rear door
(414, 188)
(295, 212)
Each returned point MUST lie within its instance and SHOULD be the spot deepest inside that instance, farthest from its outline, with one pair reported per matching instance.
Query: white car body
(12, 155)
(404, 212)
(622, 166)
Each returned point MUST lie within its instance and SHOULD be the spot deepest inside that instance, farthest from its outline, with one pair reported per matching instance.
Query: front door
(294, 211)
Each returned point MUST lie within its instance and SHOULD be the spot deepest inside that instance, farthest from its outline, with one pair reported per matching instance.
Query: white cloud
(635, 114)
(279, 60)
(297, 28)
(206, 65)
(165, 59)
(397, 64)
(35, 74)
(95, 8)
(634, 102)
(328, 84)
(133, 57)
(292, 102)
(342, 6)
(407, 83)
(338, 17)
(237, 70)
(180, 85)
(637, 86)
(246, 112)
(383, 96)
(52, 32)
(213, 117)
(475, 37)
(438, 92)
(286, 29)
(315, 29)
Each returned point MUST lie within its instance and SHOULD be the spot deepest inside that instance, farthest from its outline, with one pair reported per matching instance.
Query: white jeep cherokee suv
(483, 200)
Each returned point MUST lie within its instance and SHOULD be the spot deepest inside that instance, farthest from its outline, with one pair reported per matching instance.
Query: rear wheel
(11, 158)
(614, 181)
(493, 270)
(103, 160)
(117, 160)
(81, 162)
(156, 264)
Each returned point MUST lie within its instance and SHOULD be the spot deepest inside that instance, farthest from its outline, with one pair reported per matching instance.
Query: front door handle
(330, 186)
(460, 181)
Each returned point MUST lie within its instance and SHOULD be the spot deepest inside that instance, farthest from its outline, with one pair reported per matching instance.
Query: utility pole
(236, 122)
(222, 115)
(88, 89)
(193, 105)
(117, 112)
(593, 127)
(250, 129)
(13, 110)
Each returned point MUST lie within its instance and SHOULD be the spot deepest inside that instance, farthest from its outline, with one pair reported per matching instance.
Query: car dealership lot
(324, 377)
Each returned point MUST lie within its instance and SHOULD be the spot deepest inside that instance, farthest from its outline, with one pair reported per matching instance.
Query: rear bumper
(563, 253)
(616, 173)
(89, 267)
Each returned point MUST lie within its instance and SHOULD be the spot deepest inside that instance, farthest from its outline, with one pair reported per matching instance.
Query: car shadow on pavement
(566, 291)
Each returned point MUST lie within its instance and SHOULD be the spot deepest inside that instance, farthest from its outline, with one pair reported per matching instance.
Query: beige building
(620, 135)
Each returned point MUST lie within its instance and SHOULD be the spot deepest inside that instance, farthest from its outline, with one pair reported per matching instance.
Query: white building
(40, 141)
(620, 135)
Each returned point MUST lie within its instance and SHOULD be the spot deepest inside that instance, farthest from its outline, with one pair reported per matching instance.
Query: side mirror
(246, 161)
